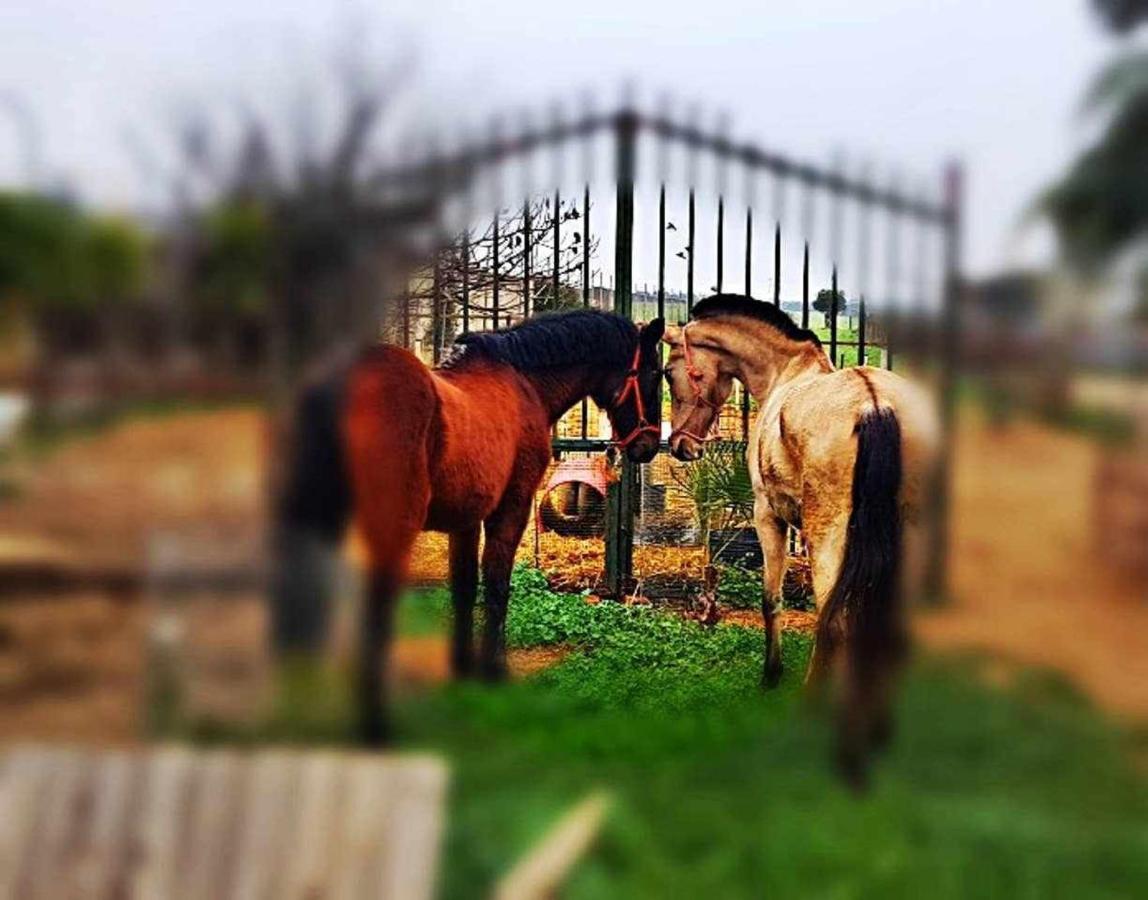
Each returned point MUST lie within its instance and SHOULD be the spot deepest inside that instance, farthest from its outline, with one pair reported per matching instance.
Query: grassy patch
(722, 791)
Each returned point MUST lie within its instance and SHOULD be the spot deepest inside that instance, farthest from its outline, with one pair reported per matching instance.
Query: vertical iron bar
(495, 286)
(623, 494)
(863, 249)
(920, 278)
(805, 287)
(586, 245)
(555, 275)
(585, 282)
(407, 317)
(892, 261)
(662, 252)
(835, 247)
(720, 240)
(466, 279)
(690, 255)
(748, 251)
(936, 567)
(527, 252)
(777, 264)
(833, 317)
(437, 329)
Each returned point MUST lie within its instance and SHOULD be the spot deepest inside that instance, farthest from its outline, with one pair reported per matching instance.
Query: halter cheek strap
(631, 386)
(696, 376)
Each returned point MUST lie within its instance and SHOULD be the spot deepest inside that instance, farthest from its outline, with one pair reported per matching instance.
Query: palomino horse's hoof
(853, 768)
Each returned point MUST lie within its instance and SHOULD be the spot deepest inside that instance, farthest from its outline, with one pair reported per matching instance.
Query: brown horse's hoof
(771, 677)
(493, 672)
(375, 732)
(462, 669)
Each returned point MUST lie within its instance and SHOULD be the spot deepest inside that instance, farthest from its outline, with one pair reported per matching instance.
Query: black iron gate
(540, 255)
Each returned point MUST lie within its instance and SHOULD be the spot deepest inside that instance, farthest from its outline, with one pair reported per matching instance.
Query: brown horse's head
(699, 385)
(632, 397)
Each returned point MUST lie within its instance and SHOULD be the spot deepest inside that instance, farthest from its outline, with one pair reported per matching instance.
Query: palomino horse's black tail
(312, 508)
(864, 609)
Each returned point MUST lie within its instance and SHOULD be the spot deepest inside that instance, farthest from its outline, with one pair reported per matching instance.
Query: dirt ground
(1029, 582)
(1029, 585)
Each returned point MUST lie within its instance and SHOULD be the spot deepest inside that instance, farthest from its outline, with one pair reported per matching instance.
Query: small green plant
(720, 487)
(740, 588)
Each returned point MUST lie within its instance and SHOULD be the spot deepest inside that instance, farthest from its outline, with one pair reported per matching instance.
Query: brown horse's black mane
(741, 305)
(577, 337)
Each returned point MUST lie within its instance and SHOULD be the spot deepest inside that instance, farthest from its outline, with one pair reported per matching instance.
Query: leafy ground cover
(1018, 789)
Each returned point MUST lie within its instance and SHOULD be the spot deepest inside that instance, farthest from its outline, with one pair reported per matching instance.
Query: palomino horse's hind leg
(463, 588)
(826, 553)
(771, 532)
(503, 532)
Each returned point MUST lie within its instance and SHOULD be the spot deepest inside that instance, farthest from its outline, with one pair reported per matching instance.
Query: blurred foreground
(717, 787)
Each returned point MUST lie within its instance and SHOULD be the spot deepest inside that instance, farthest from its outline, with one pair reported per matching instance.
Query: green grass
(722, 791)
(845, 333)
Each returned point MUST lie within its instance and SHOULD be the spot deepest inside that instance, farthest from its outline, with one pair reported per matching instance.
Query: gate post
(936, 584)
(621, 497)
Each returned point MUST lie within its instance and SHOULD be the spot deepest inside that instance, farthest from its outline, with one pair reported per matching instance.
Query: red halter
(695, 376)
(631, 386)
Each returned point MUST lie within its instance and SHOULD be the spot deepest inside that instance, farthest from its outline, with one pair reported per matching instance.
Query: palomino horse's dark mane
(576, 337)
(741, 305)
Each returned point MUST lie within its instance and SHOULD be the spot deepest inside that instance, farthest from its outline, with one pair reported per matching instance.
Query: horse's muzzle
(685, 448)
(643, 449)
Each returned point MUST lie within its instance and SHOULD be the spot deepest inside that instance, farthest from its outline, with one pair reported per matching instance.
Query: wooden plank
(26, 777)
(541, 873)
(157, 828)
(268, 811)
(357, 864)
(213, 820)
(411, 850)
(172, 823)
(46, 862)
(102, 853)
(317, 829)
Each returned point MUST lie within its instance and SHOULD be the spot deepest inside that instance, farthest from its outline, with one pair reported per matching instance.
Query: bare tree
(464, 267)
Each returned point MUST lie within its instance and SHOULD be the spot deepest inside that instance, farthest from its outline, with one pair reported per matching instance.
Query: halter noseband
(631, 386)
(695, 376)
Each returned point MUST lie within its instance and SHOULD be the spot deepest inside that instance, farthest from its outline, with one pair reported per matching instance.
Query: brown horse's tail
(311, 511)
(864, 609)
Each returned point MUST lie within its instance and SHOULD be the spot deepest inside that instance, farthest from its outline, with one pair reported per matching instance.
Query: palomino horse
(844, 455)
(405, 449)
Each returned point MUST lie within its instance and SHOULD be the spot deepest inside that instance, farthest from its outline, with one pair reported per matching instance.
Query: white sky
(902, 82)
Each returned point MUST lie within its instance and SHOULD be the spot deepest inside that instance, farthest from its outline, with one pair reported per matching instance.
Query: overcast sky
(902, 82)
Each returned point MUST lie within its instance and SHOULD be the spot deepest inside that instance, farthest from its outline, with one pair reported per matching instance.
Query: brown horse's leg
(503, 532)
(387, 418)
(374, 637)
(771, 532)
(464, 588)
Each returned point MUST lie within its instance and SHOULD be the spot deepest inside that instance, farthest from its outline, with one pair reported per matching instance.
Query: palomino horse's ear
(652, 333)
(673, 334)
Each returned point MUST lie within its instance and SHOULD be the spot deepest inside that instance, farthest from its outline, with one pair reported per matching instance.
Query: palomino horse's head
(632, 397)
(699, 385)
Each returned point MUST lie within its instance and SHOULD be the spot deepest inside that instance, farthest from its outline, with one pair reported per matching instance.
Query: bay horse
(845, 455)
(459, 449)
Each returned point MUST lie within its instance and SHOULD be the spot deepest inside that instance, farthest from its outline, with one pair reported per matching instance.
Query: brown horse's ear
(653, 332)
(672, 334)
